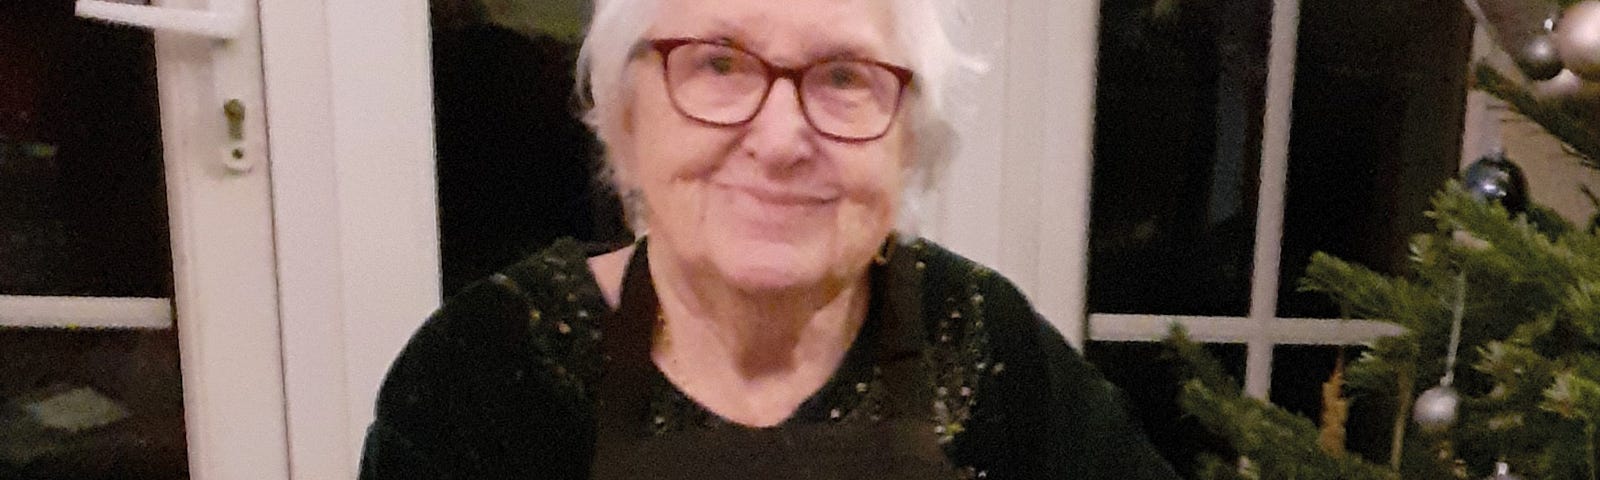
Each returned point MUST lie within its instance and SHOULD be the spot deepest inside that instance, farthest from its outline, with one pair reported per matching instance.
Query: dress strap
(625, 344)
(901, 343)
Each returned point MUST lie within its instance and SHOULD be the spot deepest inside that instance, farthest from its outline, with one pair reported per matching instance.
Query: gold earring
(882, 257)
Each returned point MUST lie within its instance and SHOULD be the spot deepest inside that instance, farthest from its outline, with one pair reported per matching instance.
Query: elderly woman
(771, 324)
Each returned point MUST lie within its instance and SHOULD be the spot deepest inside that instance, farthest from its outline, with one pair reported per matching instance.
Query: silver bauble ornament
(1502, 471)
(1577, 39)
(1519, 27)
(1436, 409)
(1537, 58)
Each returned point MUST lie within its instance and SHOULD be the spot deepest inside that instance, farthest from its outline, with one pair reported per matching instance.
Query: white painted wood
(965, 209)
(351, 114)
(224, 24)
(1016, 197)
(1293, 331)
(225, 287)
(1071, 48)
(1270, 206)
(307, 214)
(1027, 94)
(85, 312)
(389, 236)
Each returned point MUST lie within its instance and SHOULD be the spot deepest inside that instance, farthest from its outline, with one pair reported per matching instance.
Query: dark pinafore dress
(901, 444)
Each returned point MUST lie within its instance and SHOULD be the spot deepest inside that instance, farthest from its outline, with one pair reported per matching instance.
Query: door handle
(231, 65)
(217, 25)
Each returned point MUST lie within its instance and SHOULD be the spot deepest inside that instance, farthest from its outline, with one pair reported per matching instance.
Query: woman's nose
(780, 132)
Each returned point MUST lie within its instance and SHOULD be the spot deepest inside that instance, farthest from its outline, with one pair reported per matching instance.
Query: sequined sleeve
(493, 384)
(1015, 401)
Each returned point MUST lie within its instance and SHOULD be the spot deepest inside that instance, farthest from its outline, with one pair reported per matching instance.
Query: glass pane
(1147, 377)
(516, 168)
(82, 206)
(1378, 105)
(102, 404)
(82, 212)
(1177, 149)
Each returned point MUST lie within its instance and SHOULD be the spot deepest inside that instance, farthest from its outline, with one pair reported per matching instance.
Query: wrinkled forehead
(787, 31)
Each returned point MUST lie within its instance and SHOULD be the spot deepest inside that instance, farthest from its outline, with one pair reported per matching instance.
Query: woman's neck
(709, 322)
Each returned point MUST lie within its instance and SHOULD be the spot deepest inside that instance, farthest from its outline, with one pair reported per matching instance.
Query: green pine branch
(1279, 445)
(1529, 366)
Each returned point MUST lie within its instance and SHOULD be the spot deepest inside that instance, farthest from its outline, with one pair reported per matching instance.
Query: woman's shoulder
(549, 293)
(958, 287)
(556, 282)
(977, 314)
(981, 331)
(549, 303)
(499, 371)
(535, 319)
(1016, 390)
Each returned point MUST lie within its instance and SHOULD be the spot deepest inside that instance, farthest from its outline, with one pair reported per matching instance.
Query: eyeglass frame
(795, 75)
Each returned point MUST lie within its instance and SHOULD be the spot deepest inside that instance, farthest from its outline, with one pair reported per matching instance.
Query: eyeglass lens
(726, 86)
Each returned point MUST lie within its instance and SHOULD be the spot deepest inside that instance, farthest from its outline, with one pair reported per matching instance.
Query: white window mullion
(1114, 327)
(1270, 207)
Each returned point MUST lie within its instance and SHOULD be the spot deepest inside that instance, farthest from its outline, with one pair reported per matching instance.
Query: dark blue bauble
(1494, 177)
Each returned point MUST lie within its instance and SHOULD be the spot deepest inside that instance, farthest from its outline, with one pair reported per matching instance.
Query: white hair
(922, 32)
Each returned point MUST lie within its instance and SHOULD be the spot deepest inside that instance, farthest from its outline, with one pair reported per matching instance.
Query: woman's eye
(843, 78)
(722, 65)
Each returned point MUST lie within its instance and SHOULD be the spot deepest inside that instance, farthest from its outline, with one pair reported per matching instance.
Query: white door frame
(349, 103)
(225, 284)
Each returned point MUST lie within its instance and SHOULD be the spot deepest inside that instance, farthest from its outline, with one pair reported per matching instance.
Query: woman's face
(769, 204)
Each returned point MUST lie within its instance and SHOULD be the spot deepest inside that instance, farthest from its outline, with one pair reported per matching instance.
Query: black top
(502, 382)
(903, 444)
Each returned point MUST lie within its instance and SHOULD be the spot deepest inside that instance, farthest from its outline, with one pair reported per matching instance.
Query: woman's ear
(931, 143)
(617, 138)
(622, 130)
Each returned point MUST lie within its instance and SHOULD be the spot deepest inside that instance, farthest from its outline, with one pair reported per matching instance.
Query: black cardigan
(499, 383)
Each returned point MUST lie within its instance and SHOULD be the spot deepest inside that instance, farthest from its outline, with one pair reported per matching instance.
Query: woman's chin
(768, 267)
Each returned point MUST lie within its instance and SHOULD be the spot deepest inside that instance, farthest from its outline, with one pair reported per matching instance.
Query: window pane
(1378, 106)
(83, 213)
(82, 206)
(91, 404)
(1177, 149)
(516, 168)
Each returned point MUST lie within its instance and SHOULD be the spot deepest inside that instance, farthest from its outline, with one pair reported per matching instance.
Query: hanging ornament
(1522, 29)
(1502, 471)
(1577, 39)
(1494, 177)
(1437, 408)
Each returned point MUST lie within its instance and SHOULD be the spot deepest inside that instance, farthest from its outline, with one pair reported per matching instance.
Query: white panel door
(138, 306)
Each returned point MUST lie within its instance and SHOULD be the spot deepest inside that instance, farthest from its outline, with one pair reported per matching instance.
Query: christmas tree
(1498, 370)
